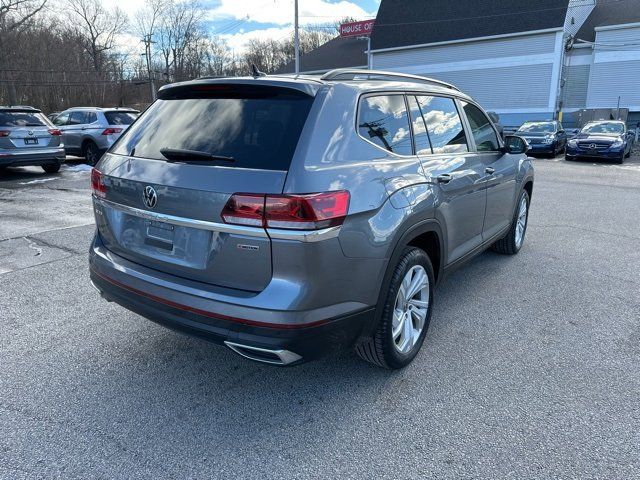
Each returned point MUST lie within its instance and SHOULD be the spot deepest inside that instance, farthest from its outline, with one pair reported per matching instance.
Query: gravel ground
(530, 368)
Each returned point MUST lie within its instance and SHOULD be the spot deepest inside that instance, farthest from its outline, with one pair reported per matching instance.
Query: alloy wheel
(521, 224)
(410, 309)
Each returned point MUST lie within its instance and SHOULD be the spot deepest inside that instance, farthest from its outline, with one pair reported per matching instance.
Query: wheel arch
(427, 235)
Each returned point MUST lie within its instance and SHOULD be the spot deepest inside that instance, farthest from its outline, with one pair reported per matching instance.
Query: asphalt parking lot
(531, 366)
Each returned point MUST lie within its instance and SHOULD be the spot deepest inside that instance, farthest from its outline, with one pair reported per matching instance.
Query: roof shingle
(415, 22)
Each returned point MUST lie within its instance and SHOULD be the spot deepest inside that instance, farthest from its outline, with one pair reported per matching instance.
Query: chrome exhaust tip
(264, 355)
(99, 291)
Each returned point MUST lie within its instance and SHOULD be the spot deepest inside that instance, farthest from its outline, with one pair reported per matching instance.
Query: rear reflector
(97, 183)
(4, 133)
(298, 212)
(111, 131)
(55, 132)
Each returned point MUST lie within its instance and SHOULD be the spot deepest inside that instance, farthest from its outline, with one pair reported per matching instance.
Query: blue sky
(239, 20)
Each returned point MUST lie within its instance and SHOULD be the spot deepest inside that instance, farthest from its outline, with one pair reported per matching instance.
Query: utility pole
(147, 53)
(296, 39)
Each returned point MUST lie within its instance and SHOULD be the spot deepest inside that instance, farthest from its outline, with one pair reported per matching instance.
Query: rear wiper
(33, 125)
(179, 155)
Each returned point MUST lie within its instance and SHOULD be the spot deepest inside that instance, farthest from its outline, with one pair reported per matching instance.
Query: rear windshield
(120, 118)
(258, 127)
(21, 119)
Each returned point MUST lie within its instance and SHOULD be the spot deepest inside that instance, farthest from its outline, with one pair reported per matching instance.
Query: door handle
(444, 178)
(489, 170)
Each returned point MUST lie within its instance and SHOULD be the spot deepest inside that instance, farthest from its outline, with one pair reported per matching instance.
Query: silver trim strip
(184, 222)
(308, 236)
(286, 357)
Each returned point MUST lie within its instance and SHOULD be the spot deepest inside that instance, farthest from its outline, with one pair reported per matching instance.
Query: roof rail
(361, 74)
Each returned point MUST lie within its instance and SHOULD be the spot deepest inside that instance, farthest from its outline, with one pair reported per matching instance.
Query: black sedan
(548, 138)
(608, 139)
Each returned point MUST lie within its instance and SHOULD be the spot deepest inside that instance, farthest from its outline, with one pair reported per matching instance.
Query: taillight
(4, 133)
(300, 212)
(55, 132)
(111, 131)
(244, 209)
(97, 183)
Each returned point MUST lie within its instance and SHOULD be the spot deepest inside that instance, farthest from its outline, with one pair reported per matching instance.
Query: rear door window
(257, 126)
(383, 120)
(443, 124)
(481, 129)
(21, 119)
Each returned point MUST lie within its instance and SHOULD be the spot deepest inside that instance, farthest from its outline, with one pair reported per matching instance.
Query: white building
(524, 60)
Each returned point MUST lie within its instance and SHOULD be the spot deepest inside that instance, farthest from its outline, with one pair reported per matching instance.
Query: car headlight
(617, 143)
(573, 142)
(547, 140)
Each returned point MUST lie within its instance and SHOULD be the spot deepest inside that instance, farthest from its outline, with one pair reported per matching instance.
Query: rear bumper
(41, 157)
(306, 334)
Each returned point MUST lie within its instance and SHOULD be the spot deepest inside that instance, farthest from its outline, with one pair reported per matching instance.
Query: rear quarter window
(258, 127)
(383, 121)
(120, 118)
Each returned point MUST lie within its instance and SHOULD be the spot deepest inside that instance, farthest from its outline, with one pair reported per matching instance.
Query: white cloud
(237, 41)
(281, 11)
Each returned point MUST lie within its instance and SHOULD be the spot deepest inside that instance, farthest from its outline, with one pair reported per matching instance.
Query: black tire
(628, 154)
(508, 245)
(620, 160)
(91, 153)
(381, 349)
(51, 167)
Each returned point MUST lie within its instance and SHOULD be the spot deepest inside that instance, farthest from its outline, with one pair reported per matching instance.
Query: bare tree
(16, 13)
(98, 27)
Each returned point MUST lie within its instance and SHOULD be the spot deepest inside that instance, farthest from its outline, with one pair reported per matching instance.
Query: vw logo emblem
(150, 197)
(593, 145)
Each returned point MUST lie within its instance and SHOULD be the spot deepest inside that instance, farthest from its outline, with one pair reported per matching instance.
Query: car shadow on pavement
(148, 380)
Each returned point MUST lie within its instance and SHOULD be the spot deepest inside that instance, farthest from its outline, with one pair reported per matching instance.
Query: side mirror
(516, 145)
(561, 132)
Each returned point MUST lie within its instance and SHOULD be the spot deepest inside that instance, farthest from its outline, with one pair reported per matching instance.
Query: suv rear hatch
(26, 130)
(164, 184)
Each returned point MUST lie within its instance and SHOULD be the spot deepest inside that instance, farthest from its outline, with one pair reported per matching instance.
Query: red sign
(357, 29)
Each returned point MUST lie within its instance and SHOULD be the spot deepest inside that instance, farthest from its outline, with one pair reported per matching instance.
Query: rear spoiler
(239, 88)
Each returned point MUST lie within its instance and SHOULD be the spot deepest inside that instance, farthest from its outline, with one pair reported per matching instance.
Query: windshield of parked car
(537, 127)
(21, 119)
(258, 127)
(605, 128)
(120, 118)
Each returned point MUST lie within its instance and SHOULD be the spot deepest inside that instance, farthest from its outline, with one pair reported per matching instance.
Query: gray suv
(89, 131)
(27, 137)
(285, 217)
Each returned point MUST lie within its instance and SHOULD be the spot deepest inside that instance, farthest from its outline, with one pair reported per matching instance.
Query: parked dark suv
(289, 216)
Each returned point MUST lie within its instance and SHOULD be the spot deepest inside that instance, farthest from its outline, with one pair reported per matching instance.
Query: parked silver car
(89, 131)
(287, 216)
(27, 137)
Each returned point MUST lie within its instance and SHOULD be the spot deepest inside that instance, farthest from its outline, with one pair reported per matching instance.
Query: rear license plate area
(160, 235)
(31, 141)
